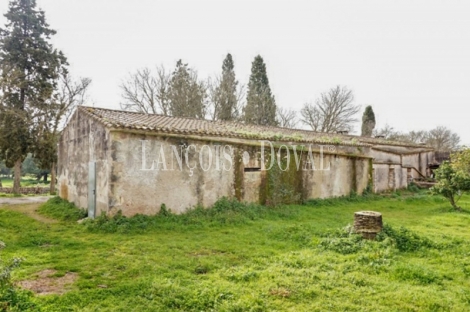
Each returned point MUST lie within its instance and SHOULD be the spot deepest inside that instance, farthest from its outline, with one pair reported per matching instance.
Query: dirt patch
(30, 211)
(47, 284)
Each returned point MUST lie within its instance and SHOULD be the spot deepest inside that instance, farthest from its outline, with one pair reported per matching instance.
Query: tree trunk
(52, 185)
(1, 182)
(452, 202)
(17, 179)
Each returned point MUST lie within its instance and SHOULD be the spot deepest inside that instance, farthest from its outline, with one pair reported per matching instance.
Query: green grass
(239, 258)
(62, 210)
(25, 182)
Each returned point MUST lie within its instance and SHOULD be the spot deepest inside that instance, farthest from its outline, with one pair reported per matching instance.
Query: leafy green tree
(186, 94)
(453, 179)
(30, 67)
(225, 94)
(29, 166)
(3, 171)
(260, 106)
(461, 161)
(368, 122)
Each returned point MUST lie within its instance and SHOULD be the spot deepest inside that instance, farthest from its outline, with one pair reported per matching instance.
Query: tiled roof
(125, 120)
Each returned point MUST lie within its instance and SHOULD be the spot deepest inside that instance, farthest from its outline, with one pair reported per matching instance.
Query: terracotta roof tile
(117, 119)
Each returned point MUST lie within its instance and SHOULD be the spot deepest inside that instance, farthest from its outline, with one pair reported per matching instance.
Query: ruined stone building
(112, 160)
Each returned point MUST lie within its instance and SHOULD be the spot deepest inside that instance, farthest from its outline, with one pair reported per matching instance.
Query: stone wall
(26, 190)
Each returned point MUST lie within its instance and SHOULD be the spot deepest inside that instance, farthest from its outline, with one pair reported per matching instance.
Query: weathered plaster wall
(399, 163)
(401, 178)
(385, 157)
(412, 160)
(83, 140)
(146, 174)
(389, 177)
(336, 171)
(345, 175)
(425, 159)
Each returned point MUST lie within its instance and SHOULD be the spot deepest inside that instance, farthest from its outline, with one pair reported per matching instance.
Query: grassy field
(238, 258)
(25, 181)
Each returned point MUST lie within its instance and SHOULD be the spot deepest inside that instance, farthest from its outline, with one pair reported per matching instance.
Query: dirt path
(23, 200)
(27, 206)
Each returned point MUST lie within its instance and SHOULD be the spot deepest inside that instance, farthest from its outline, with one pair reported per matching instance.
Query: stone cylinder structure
(368, 223)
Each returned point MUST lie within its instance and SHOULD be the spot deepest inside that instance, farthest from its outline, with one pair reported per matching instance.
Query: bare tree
(442, 139)
(287, 118)
(68, 95)
(388, 133)
(416, 137)
(333, 111)
(146, 91)
(312, 116)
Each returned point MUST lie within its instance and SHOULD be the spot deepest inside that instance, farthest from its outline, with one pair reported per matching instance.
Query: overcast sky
(410, 60)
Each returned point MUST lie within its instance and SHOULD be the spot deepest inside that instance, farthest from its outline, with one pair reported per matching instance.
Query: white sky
(410, 60)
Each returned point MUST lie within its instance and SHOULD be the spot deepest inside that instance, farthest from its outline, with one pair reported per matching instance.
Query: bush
(62, 209)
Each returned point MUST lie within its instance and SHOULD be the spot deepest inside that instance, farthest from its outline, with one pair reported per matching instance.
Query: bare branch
(311, 116)
(146, 91)
(334, 111)
(287, 118)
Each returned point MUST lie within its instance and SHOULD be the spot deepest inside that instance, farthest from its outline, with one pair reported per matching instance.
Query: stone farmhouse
(112, 160)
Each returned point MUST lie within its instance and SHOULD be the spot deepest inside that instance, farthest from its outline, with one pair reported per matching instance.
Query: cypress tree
(260, 106)
(368, 122)
(226, 92)
(30, 67)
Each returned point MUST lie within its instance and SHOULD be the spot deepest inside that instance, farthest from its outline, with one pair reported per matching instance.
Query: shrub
(62, 209)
